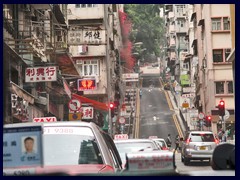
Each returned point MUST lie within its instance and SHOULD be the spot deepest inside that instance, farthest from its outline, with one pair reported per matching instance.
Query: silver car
(198, 145)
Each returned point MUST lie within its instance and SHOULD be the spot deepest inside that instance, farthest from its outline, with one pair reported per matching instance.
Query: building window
(220, 87)
(219, 24)
(217, 56)
(220, 55)
(227, 53)
(229, 87)
(185, 66)
(216, 24)
(226, 23)
(224, 87)
(88, 68)
(85, 5)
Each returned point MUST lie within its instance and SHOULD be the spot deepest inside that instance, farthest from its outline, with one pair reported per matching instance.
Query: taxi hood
(67, 170)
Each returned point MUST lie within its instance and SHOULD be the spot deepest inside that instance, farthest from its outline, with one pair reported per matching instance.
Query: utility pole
(108, 69)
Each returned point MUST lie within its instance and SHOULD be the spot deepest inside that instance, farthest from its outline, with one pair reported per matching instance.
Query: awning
(187, 58)
(58, 14)
(66, 64)
(193, 16)
(201, 22)
(13, 53)
(194, 42)
(22, 93)
(95, 104)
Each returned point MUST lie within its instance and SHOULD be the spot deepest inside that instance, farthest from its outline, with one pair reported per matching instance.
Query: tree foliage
(147, 26)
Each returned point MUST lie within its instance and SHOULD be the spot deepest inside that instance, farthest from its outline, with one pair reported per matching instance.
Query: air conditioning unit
(83, 49)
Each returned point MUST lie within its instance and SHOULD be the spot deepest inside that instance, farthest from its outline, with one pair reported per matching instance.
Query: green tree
(147, 27)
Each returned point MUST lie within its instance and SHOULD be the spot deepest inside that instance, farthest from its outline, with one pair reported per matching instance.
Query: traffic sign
(74, 105)
(74, 116)
(226, 116)
(122, 120)
(201, 116)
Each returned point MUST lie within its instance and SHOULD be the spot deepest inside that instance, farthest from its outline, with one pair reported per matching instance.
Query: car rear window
(161, 143)
(127, 147)
(70, 146)
(196, 137)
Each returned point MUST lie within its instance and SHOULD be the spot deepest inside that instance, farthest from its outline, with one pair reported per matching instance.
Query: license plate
(18, 172)
(202, 147)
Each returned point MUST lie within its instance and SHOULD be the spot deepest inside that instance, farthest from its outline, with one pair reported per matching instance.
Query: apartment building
(94, 40)
(214, 46)
(32, 76)
(78, 44)
(206, 60)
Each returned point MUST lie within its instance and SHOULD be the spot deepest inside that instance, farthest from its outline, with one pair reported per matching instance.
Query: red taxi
(69, 148)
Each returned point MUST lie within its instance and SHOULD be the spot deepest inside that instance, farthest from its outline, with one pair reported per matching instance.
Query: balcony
(181, 29)
(86, 13)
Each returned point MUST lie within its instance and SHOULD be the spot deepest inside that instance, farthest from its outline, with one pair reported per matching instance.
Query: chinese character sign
(86, 36)
(87, 112)
(41, 74)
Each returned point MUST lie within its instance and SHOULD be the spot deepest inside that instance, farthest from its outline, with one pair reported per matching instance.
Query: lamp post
(110, 126)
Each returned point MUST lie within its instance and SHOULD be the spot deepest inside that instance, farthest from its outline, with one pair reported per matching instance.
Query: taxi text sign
(14, 150)
(120, 136)
(45, 119)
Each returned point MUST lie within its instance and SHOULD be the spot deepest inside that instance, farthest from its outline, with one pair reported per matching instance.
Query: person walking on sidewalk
(140, 93)
(177, 141)
(169, 141)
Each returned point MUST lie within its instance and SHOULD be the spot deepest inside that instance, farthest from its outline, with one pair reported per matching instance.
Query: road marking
(168, 101)
(177, 125)
(137, 116)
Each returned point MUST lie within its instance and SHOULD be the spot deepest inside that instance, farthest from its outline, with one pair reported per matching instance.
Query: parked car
(198, 145)
(66, 147)
(134, 145)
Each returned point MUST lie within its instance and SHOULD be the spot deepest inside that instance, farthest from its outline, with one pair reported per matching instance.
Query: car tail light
(164, 148)
(187, 141)
(107, 169)
(216, 141)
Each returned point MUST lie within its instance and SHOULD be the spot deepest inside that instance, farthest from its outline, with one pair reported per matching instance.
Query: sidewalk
(176, 110)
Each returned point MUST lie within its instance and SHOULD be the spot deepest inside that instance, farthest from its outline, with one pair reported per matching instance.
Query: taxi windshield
(71, 149)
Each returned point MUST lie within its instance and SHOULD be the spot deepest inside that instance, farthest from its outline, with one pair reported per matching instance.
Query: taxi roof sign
(120, 136)
(150, 161)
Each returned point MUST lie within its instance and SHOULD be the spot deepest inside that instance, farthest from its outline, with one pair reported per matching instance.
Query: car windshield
(202, 138)
(71, 149)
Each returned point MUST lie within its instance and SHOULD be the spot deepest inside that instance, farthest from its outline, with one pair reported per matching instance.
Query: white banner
(41, 74)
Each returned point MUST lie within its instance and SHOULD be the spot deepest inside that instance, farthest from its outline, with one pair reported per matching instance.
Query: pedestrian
(220, 132)
(224, 137)
(169, 141)
(140, 93)
(177, 141)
